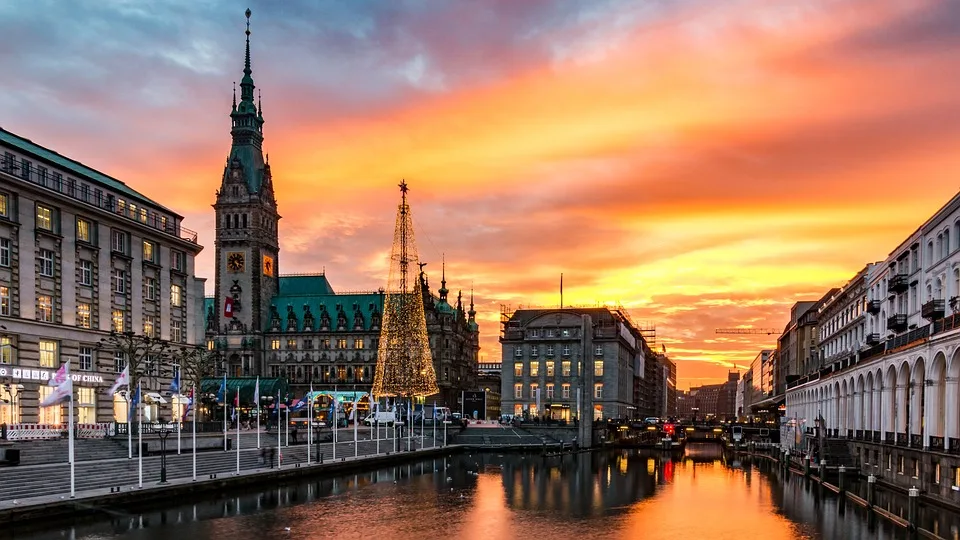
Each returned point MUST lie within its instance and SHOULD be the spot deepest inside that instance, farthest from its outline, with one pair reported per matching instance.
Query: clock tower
(247, 245)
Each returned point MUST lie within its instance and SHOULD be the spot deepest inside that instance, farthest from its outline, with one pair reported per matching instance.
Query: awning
(154, 397)
(247, 387)
(769, 403)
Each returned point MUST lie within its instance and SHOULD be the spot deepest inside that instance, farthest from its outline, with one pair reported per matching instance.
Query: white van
(380, 417)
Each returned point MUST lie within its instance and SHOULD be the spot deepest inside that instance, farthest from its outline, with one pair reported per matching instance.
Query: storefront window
(119, 408)
(49, 415)
(9, 404)
(86, 406)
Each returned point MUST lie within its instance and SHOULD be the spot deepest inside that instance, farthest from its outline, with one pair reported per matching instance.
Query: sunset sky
(706, 164)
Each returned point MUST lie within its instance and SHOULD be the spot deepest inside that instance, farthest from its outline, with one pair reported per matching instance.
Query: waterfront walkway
(26, 485)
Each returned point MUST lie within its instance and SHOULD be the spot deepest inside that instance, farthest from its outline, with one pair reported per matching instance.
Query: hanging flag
(61, 393)
(60, 376)
(356, 404)
(135, 400)
(222, 392)
(236, 399)
(123, 379)
(175, 384)
(256, 392)
(228, 307)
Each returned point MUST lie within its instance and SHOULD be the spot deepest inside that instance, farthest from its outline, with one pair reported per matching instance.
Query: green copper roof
(368, 304)
(82, 171)
(444, 307)
(209, 302)
(306, 284)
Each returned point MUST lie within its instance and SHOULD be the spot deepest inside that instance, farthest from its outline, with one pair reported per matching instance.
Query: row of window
(550, 332)
(565, 368)
(550, 387)
(358, 343)
(564, 351)
(48, 219)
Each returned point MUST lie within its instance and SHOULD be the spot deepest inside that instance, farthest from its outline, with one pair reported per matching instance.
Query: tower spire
(443, 278)
(246, 64)
(247, 125)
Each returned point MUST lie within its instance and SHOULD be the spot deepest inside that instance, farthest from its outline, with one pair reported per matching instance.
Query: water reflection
(623, 494)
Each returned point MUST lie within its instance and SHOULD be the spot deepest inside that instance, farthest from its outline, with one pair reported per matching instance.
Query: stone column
(951, 405)
(585, 382)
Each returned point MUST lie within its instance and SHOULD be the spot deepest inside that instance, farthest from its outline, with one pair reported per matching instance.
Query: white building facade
(897, 400)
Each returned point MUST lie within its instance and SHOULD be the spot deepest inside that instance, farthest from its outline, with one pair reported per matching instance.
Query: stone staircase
(837, 453)
(55, 451)
(26, 481)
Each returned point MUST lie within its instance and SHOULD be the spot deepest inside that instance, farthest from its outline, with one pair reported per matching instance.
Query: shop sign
(25, 374)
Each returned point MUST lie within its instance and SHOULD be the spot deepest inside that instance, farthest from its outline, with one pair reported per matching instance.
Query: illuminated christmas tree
(404, 363)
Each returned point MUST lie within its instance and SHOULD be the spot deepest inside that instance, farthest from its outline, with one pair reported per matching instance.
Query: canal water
(490, 496)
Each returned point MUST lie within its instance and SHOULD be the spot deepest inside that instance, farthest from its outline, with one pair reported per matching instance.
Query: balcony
(933, 310)
(898, 283)
(897, 323)
(873, 306)
(873, 339)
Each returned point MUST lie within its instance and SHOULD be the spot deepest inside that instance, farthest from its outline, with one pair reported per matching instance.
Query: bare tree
(148, 358)
(196, 364)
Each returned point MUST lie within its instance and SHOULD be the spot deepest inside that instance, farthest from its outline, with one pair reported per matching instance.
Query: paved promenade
(26, 485)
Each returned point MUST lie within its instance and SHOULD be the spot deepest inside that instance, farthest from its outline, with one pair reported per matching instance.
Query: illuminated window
(275, 344)
(518, 369)
(5, 301)
(44, 218)
(291, 344)
(565, 332)
(6, 350)
(598, 368)
(534, 369)
(149, 251)
(565, 368)
(49, 356)
(550, 369)
(83, 315)
(84, 230)
(598, 391)
(86, 405)
(341, 343)
(4, 205)
(518, 391)
(518, 409)
(50, 416)
(358, 343)
(45, 308)
(176, 295)
(211, 344)
(117, 320)
(148, 325)
(565, 389)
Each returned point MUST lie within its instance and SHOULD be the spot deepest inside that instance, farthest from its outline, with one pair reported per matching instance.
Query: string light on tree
(404, 362)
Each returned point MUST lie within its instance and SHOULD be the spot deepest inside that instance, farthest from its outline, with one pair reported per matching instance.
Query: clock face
(235, 262)
(268, 268)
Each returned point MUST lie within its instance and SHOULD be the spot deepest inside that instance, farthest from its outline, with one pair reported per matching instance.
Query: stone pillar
(871, 490)
(841, 483)
(952, 407)
(913, 495)
(823, 471)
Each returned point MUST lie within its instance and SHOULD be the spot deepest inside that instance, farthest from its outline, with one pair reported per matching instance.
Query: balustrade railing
(150, 428)
(902, 439)
(916, 440)
(876, 436)
(849, 433)
(858, 435)
(889, 437)
(953, 445)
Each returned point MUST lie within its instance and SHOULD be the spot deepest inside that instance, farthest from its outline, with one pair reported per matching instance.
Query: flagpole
(309, 424)
(139, 441)
(129, 422)
(376, 420)
(409, 423)
(194, 405)
(434, 445)
(70, 443)
(286, 413)
(356, 416)
(236, 411)
(224, 413)
(423, 414)
(179, 420)
(278, 429)
(336, 414)
(257, 405)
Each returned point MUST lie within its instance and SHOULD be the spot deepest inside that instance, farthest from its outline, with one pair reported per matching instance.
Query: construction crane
(767, 331)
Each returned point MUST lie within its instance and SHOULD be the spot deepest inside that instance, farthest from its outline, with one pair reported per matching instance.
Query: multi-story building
(296, 327)
(579, 361)
(662, 380)
(82, 255)
(489, 380)
(795, 344)
(760, 395)
(711, 401)
(896, 400)
(845, 326)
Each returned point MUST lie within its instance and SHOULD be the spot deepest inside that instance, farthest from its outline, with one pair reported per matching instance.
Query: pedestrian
(293, 433)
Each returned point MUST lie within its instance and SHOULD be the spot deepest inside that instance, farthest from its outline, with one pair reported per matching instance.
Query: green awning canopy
(247, 387)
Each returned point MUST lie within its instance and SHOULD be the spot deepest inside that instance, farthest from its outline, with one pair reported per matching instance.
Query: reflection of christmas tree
(404, 364)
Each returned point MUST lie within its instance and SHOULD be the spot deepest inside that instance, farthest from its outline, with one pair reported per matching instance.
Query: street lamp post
(163, 434)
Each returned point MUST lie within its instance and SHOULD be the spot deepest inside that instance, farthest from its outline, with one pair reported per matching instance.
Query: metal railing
(936, 443)
(69, 187)
(150, 428)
